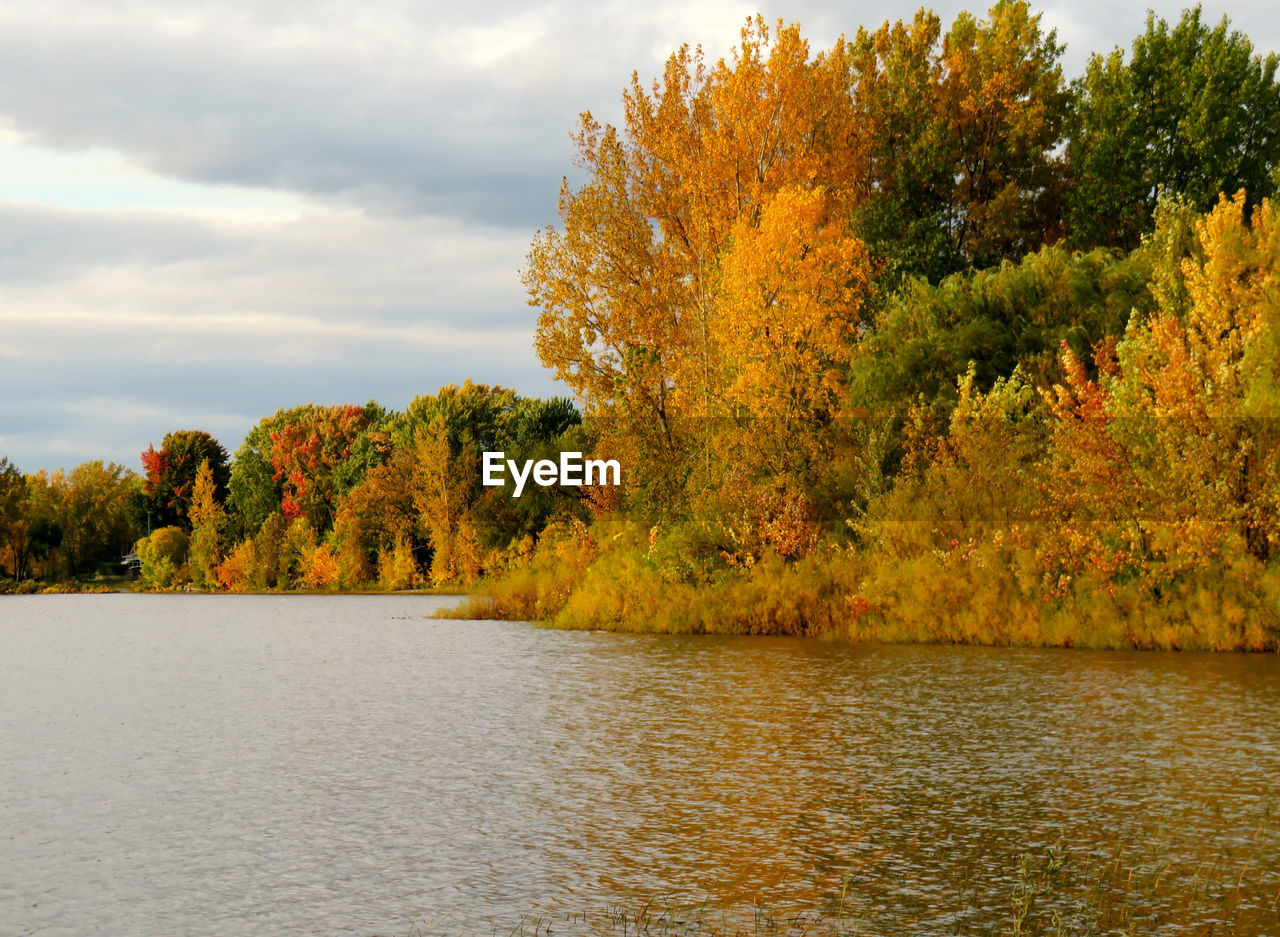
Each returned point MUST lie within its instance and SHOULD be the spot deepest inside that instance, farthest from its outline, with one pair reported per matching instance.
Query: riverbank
(984, 598)
(991, 594)
(36, 587)
(131, 587)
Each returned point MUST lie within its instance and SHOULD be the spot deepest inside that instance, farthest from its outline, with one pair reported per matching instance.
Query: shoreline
(481, 607)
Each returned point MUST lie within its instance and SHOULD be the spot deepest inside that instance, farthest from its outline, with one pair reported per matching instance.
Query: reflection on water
(339, 765)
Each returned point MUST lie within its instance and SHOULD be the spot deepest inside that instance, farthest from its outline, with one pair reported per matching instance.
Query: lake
(234, 765)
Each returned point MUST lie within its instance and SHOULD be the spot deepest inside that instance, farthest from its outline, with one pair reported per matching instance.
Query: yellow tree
(627, 288)
(378, 515)
(786, 313)
(207, 519)
(92, 513)
(1171, 461)
(1097, 502)
(443, 483)
(1208, 381)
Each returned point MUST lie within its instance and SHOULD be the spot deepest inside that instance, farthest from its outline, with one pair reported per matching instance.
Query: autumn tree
(170, 474)
(976, 483)
(787, 312)
(305, 451)
(1210, 378)
(627, 287)
(450, 431)
(42, 527)
(66, 523)
(535, 429)
(164, 557)
(14, 523)
(1167, 463)
(303, 460)
(207, 519)
(940, 148)
(378, 515)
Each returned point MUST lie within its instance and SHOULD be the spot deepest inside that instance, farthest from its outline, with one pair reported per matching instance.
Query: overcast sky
(209, 211)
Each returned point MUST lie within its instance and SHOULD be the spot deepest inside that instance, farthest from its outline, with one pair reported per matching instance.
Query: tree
(627, 287)
(896, 76)
(164, 557)
(999, 319)
(171, 474)
(207, 520)
(378, 514)
(1167, 464)
(941, 149)
(305, 450)
(787, 312)
(43, 525)
(962, 132)
(253, 494)
(14, 523)
(1005, 105)
(1193, 111)
(302, 461)
(95, 514)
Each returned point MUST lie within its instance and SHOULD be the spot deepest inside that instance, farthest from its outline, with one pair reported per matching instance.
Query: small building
(132, 565)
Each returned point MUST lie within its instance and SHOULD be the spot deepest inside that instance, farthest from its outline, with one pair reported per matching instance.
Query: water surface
(231, 765)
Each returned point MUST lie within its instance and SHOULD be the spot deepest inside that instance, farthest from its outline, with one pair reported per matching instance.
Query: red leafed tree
(171, 475)
(305, 451)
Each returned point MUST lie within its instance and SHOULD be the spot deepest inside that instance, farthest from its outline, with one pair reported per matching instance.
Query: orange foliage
(320, 568)
(235, 570)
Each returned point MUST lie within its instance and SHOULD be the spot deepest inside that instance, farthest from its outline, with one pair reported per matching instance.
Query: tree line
(319, 497)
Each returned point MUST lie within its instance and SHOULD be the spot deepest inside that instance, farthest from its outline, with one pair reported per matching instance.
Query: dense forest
(911, 338)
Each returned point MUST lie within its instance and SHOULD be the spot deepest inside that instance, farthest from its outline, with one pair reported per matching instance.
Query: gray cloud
(462, 111)
(151, 323)
(39, 245)
(414, 112)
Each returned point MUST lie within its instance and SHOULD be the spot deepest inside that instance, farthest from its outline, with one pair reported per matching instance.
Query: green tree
(253, 491)
(962, 133)
(1005, 103)
(998, 319)
(1193, 111)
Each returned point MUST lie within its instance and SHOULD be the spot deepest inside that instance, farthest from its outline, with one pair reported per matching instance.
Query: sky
(210, 211)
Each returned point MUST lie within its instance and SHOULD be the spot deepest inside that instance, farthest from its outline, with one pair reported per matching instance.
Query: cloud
(444, 110)
(406, 109)
(105, 313)
(326, 264)
(41, 245)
